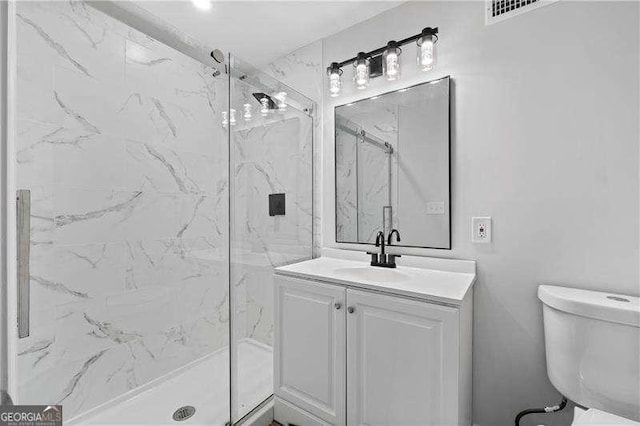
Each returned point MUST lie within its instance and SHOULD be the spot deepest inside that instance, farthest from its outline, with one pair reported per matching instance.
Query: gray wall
(545, 140)
(423, 170)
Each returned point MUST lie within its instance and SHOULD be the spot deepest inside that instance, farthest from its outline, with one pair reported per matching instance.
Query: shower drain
(184, 413)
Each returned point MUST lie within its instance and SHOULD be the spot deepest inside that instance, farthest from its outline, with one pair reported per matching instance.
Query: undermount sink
(373, 273)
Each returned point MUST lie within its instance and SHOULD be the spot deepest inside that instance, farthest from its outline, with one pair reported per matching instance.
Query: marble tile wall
(268, 156)
(119, 143)
(271, 156)
(304, 70)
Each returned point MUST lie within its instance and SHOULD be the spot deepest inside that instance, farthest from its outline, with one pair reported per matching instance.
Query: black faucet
(377, 259)
(391, 258)
(393, 231)
(380, 243)
(382, 259)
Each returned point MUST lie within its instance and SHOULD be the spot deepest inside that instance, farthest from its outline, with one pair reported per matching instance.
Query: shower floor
(204, 386)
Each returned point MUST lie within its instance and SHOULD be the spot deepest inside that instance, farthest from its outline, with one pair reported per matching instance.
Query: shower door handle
(23, 239)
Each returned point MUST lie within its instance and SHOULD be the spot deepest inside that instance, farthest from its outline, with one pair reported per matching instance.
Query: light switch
(435, 207)
(481, 230)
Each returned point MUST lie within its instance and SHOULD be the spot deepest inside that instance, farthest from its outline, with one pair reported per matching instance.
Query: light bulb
(391, 61)
(264, 109)
(335, 79)
(282, 100)
(232, 117)
(427, 49)
(361, 75)
(202, 4)
(224, 119)
(247, 112)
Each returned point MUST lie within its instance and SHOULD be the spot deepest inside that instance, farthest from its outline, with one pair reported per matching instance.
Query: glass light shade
(232, 117)
(335, 79)
(426, 52)
(264, 109)
(335, 84)
(391, 61)
(224, 119)
(247, 112)
(361, 73)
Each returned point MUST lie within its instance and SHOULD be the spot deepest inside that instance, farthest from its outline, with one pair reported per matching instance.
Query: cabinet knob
(351, 309)
(337, 305)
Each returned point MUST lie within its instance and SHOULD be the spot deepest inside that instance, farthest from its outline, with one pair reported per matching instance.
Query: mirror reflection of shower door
(365, 172)
(374, 185)
(119, 143)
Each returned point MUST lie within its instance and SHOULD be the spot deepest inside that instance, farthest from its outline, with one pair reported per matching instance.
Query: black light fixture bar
(380, 50)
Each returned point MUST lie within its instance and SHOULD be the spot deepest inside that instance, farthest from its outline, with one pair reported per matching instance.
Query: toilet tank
(592, 342)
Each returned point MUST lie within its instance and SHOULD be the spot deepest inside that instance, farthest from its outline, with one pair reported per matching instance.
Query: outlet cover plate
(481, 230)
(435, 207)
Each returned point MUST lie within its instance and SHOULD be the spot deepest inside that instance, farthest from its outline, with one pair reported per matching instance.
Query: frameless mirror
(392, 167)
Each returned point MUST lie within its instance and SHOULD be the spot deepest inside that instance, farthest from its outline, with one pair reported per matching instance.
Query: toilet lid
(600, 418)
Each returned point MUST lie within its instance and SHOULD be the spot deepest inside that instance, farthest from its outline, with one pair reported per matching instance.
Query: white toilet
(592, 342)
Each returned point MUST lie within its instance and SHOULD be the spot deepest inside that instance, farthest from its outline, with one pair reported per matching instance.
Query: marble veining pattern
(304, 70)
(268, 157)
(118, 142)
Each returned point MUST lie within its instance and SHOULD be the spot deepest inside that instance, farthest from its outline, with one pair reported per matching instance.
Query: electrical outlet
(435, 207)
(481, 230)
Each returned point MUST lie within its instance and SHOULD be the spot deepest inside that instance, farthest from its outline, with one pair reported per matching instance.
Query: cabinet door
(309, 353)
(402, 361)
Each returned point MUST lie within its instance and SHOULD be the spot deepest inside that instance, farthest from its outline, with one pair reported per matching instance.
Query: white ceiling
(261, 31)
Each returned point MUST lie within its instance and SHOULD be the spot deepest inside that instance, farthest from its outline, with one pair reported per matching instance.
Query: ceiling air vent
(499, 10)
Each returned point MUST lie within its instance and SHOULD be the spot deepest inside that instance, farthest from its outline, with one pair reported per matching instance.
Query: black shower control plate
(276, 204)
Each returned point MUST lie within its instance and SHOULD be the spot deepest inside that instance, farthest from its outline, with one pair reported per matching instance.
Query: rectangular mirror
(392, 155)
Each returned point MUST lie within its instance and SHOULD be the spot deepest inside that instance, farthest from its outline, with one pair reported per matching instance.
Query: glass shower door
(271, 218)
(125, 165)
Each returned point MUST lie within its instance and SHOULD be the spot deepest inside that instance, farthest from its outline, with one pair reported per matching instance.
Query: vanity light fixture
(384, 61)
(335, 79)
(361, 73)
(427, 49)
(391, 61)
(225, 122)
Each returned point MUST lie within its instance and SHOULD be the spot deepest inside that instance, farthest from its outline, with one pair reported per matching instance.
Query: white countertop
(428, 284)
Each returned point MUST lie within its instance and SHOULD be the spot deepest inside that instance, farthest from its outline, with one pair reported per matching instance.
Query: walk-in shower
(148, 166)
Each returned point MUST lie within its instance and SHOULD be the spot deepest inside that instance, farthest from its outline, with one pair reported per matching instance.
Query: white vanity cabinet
(309, 347)
(402, 361)
(348, 355)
